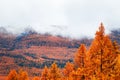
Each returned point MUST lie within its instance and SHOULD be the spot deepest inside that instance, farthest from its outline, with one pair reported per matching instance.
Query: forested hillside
(115, 35)
(32, 51)
(99, 61)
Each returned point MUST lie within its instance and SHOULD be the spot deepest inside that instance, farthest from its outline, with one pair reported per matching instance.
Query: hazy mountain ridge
(115, 35)
(33, 51)
(32, 38)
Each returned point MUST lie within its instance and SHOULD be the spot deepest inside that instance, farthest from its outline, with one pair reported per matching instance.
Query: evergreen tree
(101, 55)
(45, 74)
(36, 78)
(22, 75)
(12, 75)
(54, 73)
(80, 56)
(69, 67)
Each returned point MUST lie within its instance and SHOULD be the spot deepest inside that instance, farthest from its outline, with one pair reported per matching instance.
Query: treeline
(46, 40)
(31, 38)
(115, 35)
(22, 61)
(101, 61)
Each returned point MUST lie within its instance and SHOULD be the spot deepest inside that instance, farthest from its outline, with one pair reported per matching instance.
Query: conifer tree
(45, 74)
(69, 67)
(54, 73)
(102, 57)
(80, 62)
(36, 78)
(22, 75)
(80, 56)
(12, 75)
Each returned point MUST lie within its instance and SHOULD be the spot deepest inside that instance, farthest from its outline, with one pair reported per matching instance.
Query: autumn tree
(54, 73)
(80, 56)
(80, 62)
(115, 73)
(73, 75)
(22, 75)
(69, 67)
(102, 57)
(37, 78)
(45, 74)
(77, 74)
(12, 75)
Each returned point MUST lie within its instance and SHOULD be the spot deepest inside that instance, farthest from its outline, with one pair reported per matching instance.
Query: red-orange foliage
(68, 69)
(100, 62)
(54, 73)
(45, 74)
(22, 75)
(102, 55)
(80, 56)
(12, 75)
(36, 78)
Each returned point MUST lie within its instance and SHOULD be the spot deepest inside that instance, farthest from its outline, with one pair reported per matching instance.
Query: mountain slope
(32, 51)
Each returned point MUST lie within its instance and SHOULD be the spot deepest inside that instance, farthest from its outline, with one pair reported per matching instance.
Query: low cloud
(73, 18)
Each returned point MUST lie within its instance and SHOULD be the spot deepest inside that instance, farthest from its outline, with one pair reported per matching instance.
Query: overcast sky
(73, 18)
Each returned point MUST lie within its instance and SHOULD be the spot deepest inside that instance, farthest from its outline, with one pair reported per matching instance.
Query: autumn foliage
(12, 75)
(80, 56)
(37, 78)
(45, 74)
(21, 75)
(99, 61)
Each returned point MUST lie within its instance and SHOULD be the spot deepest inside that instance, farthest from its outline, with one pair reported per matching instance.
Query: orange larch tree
(12, 75)
(80, 62)
(22, 75)
(80, 56)
(45, 74)
(115, 73)
(69, 67)
(101, 55)
(37, 78)
(54, 72)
